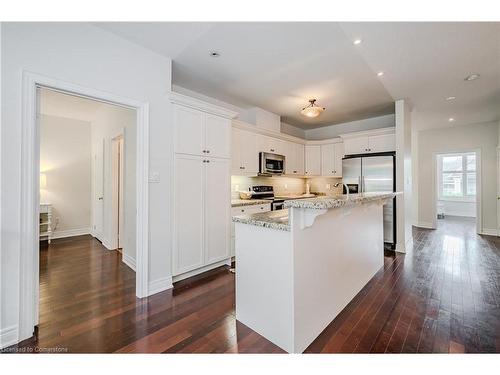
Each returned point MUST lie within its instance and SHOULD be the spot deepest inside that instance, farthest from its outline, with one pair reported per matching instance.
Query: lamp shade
(43, 180)
(312, 110)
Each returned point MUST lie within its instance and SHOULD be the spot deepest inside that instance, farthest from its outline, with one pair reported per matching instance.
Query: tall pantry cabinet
(201, 186)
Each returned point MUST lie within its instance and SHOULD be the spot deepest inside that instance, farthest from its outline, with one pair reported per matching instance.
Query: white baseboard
(159, 285)
(128, 260)
(8, 336)
(489, 232)
(197, 271)
(425, 225)
(70, 233)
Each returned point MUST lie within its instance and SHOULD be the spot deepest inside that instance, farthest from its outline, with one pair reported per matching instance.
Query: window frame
(465, 197)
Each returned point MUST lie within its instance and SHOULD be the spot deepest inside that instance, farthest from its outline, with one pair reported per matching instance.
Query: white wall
(332, 131)
(109, 122)
(85, 55)
(452, 208)
(457, 139)
(65, 161)
(293, 130)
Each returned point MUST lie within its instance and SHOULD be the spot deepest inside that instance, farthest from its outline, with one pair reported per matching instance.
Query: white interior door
(217, 210)
(99, 190)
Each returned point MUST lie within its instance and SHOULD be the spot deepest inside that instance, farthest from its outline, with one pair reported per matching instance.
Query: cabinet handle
(294, 171)
(242, 167)
(242, 210)
(208, 151)
(204, 151)
(208, 161)
(262, 208)
(272, 150)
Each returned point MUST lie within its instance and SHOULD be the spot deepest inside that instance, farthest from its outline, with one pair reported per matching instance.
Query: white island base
(291, 283)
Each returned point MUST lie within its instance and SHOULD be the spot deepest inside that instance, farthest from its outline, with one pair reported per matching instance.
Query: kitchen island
(296, 269)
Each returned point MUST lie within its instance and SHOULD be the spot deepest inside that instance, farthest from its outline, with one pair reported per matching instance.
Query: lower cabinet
(202, 200)
(246, 210)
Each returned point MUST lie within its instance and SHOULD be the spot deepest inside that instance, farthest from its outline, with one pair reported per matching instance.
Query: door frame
(116, 182)
(30, 199)
(479, 217)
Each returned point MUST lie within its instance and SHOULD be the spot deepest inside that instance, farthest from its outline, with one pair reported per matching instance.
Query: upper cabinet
(294, 159)
(331, 159)
(312, 160)
(364, 143)
(200, 133)
(270, 144)
(244, 157)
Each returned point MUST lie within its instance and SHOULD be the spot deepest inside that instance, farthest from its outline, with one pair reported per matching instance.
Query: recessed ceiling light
(451, 119)
(471, 77)
(380, 74)
(357, 41)
(214, 54)
(451, 98)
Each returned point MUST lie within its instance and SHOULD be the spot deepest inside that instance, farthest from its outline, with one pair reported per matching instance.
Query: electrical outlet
(328, 186)
(286, 186)
(236, 187)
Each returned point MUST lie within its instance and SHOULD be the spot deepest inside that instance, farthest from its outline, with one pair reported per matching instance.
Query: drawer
(245, 210)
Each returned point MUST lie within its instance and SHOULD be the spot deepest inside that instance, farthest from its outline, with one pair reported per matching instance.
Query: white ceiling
(279, 66)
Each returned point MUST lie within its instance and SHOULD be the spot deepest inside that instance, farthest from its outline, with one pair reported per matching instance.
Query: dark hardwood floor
(441, 297)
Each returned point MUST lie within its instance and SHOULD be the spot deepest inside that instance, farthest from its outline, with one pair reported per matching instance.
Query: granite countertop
(273, 219)
(292, 196)
(247, 202)
(326, 202)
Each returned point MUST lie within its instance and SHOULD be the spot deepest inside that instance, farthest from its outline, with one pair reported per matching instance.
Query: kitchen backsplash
(286, 185)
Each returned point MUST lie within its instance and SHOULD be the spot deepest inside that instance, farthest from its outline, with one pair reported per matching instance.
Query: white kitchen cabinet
(200, 133)
(217, 210)
(358, 145)
(370, 144)
(382, 143)
(312, 160)
(202, 201)
(244, 156)
(188, 210)
(271, 145)
(294, 162)
(246, 210)
(328, 160)
(331, 159)
(339, 154)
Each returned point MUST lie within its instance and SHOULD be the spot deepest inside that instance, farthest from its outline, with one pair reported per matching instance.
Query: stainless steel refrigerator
(372, 173)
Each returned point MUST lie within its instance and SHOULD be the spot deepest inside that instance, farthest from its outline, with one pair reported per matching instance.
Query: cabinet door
(339, 154)
(189, 131)
(217, 210)
(358, 145)
(249, 155)
(382, 143)
(217, 136)
(289, 152)
(188, 211)
(328, 160)
(270, 144)
(299, 159)
(236, 143)
(313, 160)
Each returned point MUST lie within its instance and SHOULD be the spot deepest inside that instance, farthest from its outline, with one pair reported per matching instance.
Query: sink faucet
(346, 187)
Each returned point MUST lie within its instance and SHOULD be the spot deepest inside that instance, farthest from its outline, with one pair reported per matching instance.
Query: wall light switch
(154, 177)
(286, 186)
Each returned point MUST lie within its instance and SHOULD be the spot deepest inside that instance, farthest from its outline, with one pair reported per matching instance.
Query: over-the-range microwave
(271, 164)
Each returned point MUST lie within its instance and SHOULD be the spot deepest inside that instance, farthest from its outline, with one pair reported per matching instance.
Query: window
(457, 176)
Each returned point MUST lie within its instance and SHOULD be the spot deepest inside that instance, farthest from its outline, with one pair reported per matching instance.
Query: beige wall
(65, 160)
(452, 139)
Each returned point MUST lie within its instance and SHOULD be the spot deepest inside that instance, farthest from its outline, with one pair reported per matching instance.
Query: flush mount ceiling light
(214, 54)
(451, 119)
(451, 98)
(380, 74)
(472, 77)
(357, 41)
(312, 110)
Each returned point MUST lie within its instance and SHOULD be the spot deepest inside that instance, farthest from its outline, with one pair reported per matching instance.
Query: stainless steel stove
(267, 193)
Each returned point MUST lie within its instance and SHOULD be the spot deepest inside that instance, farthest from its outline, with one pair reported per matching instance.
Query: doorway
(458, 188)
(30, 190)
